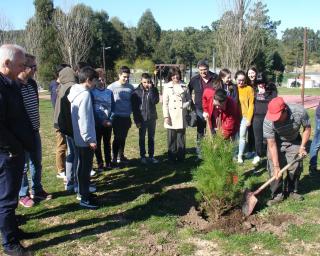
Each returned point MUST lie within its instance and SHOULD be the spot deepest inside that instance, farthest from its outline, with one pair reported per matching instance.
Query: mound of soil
(234, 222)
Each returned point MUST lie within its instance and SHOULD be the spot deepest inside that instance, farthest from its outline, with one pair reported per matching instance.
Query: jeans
(315, 145)
(242, 136)
(33, 163)
(105, 134)
(11, 169)
(258, 135)
(83, 171)
(150, 127)
(72, 161)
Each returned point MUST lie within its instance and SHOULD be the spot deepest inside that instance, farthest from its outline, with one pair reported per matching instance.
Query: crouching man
(281, 130)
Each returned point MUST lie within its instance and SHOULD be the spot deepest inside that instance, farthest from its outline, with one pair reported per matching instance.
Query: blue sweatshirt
(103, 105)
(122, 98)
(82, 116)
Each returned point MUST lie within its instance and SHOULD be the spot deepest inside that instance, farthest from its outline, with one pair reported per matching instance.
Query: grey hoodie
(67, 78)
(82, 116)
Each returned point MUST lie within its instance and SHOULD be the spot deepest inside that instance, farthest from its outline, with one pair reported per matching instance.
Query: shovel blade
(249, 203)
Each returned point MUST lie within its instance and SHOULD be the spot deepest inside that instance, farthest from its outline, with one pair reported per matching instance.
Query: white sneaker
(61, 175)
(256, 160)
(240, 160)
(143, 160)
(93, 173)
(153, 160)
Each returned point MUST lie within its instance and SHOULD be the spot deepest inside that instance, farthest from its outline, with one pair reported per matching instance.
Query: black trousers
(150, 128)
(257, 125)
(103, 133)
(250, 144)
(121, 126)
(11, 170)
(201, 128)
(176, 144)
(83, 171)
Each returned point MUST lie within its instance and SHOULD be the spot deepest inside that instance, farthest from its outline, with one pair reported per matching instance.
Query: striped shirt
(288, 130)
(31, 102)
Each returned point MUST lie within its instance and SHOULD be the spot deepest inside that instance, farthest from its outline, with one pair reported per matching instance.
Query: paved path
(309, 100)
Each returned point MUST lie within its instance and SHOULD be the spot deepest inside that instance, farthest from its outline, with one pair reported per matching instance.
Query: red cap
(275, 108)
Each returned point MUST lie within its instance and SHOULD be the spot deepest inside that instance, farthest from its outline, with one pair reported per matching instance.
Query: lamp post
(104, 55)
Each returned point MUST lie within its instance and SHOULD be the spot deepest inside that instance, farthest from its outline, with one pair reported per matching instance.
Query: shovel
(250, 197)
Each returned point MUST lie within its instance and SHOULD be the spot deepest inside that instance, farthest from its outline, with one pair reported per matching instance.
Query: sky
(174, 14)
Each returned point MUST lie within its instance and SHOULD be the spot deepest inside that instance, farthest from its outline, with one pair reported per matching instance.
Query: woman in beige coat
(176, 100)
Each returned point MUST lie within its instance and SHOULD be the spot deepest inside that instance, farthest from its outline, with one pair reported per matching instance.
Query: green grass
(141, 208)
(297, 91)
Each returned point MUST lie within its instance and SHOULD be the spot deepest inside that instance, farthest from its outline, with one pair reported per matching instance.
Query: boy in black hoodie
(144, 100)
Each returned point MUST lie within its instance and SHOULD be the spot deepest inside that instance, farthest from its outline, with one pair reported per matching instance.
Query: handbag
(191, 117)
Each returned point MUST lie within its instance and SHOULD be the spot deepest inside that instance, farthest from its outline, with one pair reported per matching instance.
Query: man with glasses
(144, 100)
(197, 84)
(222, 112)
(30, 96)
(281, 129)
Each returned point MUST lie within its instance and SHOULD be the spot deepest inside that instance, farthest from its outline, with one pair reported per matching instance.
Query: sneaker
(93, 173)
(256, 160)
(108, 166)
(313, 171)
(26, 201)
(88, 204)
(61, 175)
(153, 160)
(92, 189)
(114, 163)
(16, 250)
(91, 196)
(122, 160)
(250, 155)
(295, 196)
(277, 199)
(41, 195)
(69, 188)
(240, 160)
(143, 160)
(78, 197)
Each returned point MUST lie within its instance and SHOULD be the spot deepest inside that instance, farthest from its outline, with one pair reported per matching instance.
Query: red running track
(309, 101)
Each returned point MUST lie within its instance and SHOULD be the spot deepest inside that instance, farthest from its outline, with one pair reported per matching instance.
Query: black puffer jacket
(144, 104)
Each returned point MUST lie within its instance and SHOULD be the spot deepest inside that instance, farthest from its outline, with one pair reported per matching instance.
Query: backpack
(64, 119)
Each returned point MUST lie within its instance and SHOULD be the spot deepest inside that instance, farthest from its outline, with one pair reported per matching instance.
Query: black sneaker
(21, 235)
(123, 160)
(277, 199)
(295, 196)
(88, 204)
(16, 250)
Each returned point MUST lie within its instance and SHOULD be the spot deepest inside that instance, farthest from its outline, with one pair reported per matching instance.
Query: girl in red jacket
(222, 112)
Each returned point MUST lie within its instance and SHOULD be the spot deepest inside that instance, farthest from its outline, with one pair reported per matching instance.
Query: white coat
(176, 100)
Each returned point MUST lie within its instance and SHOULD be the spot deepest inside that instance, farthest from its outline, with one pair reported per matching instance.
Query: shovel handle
(267, 183)
(208, 128)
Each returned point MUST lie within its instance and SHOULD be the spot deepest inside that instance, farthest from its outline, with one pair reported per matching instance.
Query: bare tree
(6, 30)
(74, 33)
(238, 34)
(32, 35)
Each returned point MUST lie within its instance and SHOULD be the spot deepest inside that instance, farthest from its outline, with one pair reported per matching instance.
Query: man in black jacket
(16, 136)
(144, 100)
(197, 84)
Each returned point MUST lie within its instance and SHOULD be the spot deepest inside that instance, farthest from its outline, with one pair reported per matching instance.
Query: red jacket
(230, 117)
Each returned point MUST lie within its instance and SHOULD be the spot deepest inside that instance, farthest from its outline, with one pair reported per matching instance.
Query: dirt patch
(234, 222)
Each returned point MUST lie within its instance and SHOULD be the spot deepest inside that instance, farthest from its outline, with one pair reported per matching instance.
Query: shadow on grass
(162, 180)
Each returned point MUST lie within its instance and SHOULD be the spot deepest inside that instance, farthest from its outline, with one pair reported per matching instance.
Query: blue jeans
(242, 136)
(150, 127)
(72, 161)
(32, 163)
(11, 169)
(315, 145)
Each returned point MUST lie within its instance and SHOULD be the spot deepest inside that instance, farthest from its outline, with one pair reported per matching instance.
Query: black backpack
(64, 119)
